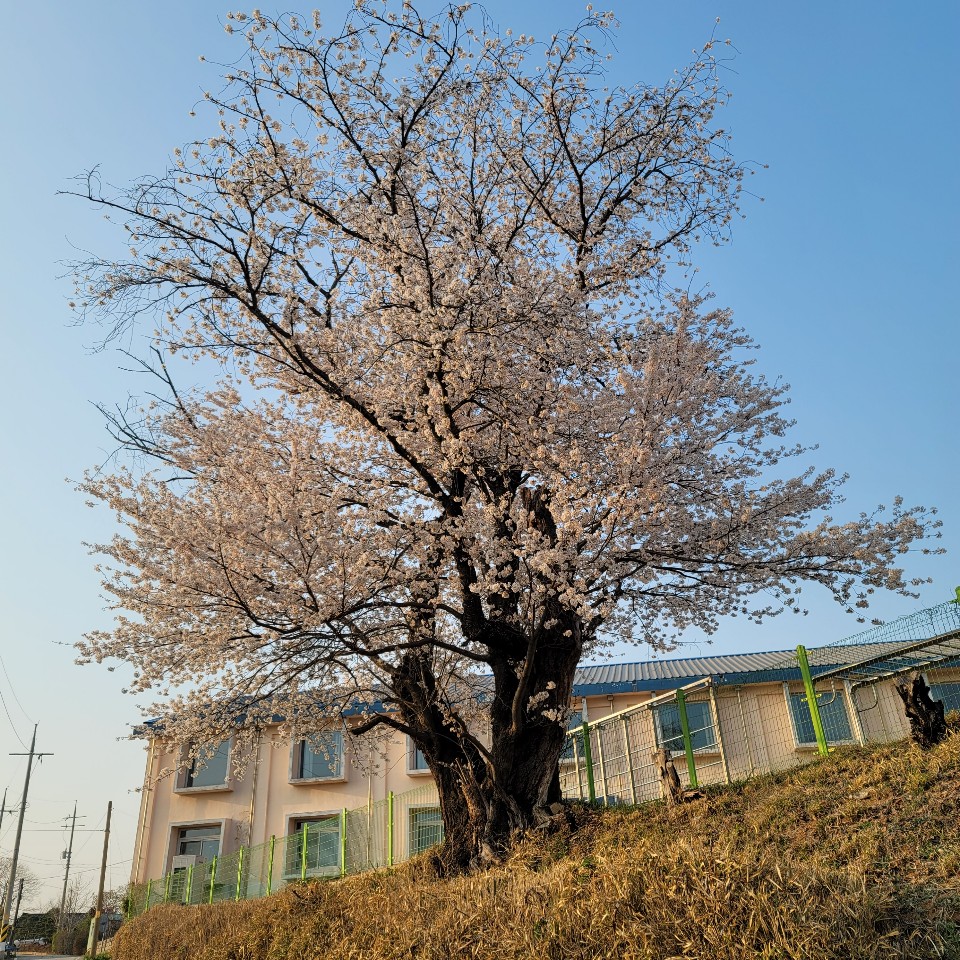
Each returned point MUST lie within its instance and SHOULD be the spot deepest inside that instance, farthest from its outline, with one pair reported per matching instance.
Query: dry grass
(854, 856)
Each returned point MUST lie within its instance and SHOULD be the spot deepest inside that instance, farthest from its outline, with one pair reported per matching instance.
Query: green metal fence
(352, 841)
(801, 705)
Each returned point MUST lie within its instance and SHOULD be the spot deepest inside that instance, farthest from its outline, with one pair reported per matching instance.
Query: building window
(321, 854)
(209, 770)
(574, 722)
(202, 842)
(669, 731)
(319, 757)
(833, 715)
(948, 694)
(416, 761)
(426, 829)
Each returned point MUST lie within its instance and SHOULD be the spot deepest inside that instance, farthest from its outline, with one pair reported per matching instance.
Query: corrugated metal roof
(668, 674)
(687, 668)
(734, 668)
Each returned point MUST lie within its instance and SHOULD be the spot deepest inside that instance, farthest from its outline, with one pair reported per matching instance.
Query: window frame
(297, 750)
(710, 749)
(949, 706)
(186, 771)
(412, 752)
(574, 723)
(215, 831)
(839, 695)
(412, 813)
(294, 834)
(174, 840)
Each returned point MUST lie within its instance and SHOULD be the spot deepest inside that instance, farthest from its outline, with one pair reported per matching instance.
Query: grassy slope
(854, 856)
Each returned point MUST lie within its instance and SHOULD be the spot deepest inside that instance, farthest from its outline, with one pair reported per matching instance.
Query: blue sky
(842, 274)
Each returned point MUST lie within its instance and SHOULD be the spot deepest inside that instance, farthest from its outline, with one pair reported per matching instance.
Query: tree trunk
(669, 778)
(928, 725)
(491, 795)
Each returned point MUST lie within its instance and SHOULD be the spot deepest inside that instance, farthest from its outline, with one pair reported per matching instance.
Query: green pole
(273, 844)
(588, 760)
(239, 874)
(343, 842)
(146, 905)
(213, 877)
(189, 884)
(687, 742)
(812, 700)
(390, 829)
(166, 887)
(303, 854)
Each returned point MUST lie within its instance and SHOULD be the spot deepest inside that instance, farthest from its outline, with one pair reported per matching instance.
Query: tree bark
(491, 795)
(928, 725)
(669, 779)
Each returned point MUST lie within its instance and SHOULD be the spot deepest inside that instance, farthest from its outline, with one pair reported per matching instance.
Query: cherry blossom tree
(465, 430)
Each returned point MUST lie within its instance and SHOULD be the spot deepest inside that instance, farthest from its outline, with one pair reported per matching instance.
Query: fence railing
(721, 729)
(352, 841)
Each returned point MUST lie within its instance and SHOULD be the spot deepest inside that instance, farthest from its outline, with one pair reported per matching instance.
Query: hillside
(854, 856)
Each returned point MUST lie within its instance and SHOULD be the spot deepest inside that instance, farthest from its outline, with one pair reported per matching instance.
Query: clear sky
(842, 274)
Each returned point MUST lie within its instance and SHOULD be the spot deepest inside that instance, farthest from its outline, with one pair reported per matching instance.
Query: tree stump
(669, 779)
(928, 726)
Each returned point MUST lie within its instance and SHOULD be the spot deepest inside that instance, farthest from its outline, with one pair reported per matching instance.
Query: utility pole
(3, 808)
(8, 899)
(16, 913)
(66, 872)
(94, 934)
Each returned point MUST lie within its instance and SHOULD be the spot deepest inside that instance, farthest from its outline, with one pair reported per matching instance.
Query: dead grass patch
(854, 856)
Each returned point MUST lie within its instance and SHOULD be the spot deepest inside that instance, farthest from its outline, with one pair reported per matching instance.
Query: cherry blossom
(465, 430)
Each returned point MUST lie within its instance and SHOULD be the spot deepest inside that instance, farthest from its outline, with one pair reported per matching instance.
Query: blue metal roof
(651, 675)
(736, 668)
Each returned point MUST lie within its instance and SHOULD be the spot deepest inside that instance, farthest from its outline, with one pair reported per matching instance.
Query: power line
(13, 690)
(16, 733)
(76, 873)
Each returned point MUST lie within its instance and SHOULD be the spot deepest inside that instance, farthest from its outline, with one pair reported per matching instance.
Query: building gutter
(146, 808)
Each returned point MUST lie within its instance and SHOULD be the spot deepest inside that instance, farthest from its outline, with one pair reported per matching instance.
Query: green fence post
(166, 887)
(213, 877)
(303, 854)
(189, 884)
(687, 742)
(812, 700)
(146, 905)
(390, 829)
(239, 874)
(343, 842)
(273, 844)
(588, 760)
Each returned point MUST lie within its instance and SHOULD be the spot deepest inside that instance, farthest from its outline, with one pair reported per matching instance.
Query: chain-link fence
(378, 835)
(729, 727)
